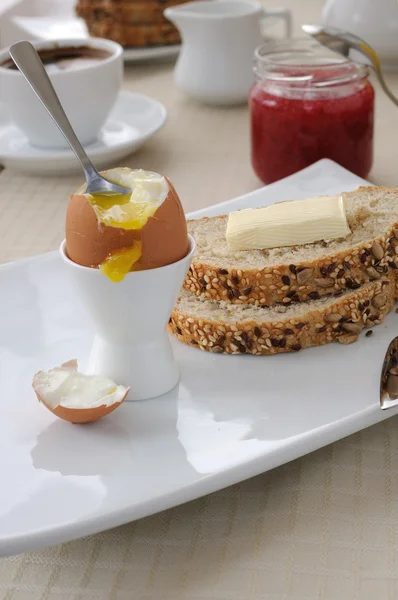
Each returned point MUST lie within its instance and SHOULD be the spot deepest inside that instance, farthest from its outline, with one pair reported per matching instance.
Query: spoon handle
(385, 87)
(364, 48)
(368, 51)
(30, 65)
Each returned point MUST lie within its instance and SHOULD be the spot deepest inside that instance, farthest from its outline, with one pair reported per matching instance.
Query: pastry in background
(134, 23)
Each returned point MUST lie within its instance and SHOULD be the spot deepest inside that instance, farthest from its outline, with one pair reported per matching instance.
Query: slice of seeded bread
(293, 274)
(220, 326)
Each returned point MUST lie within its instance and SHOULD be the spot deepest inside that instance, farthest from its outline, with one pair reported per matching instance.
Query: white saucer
(56, 28)
(133, 120)
(157, 53)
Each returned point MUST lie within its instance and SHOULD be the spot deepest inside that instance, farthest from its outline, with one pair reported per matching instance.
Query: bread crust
(341, 321)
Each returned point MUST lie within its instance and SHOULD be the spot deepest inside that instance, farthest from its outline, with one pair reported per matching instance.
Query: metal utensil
(389, 377)
(28, 62)
(342, 42)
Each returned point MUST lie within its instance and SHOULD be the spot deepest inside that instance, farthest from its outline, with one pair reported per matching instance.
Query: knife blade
(389, 377)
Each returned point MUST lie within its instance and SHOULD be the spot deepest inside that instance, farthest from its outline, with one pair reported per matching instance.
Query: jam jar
(309, 103)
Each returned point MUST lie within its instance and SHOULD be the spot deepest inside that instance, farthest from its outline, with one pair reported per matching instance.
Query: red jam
(308, 112)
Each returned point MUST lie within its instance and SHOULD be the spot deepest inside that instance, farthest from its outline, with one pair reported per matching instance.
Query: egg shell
(81, 415)
(164, 237)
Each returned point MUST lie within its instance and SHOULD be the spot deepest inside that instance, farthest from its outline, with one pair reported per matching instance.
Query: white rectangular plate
(230, 418)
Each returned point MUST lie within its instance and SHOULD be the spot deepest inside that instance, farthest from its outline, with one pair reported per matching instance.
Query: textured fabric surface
(324, 527)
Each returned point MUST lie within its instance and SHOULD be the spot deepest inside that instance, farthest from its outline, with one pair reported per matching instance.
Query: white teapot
(219, 38)
(376, 21)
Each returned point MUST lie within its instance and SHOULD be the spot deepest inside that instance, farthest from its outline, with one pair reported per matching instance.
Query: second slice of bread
(295, 274)
(229, 328)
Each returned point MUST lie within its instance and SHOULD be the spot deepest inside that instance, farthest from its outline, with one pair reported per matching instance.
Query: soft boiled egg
(75, 397)
(118, 234)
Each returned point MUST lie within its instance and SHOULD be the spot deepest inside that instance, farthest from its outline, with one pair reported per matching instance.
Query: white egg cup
(131, 345)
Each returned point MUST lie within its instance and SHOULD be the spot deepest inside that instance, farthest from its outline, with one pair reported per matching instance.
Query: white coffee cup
(87, 93)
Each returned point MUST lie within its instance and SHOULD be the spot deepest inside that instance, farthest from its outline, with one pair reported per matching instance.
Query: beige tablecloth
(323, 527)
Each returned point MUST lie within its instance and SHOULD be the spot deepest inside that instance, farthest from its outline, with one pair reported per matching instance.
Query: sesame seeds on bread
(223, 327)
(295, 274)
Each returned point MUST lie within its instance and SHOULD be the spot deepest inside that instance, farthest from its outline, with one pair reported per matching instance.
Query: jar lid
(305, 63)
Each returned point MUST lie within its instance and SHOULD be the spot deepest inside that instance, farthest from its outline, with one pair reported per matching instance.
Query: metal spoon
(28, 62)
(341, 42)
(389, 377)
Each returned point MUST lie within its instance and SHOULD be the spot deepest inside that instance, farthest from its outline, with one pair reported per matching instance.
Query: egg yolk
(118, 264)
(129, 212)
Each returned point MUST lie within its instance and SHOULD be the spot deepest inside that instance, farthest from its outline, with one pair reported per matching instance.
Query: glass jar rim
(305, 62)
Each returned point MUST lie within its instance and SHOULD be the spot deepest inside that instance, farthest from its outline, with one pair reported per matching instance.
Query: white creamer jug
(219, 38)
(376, 21)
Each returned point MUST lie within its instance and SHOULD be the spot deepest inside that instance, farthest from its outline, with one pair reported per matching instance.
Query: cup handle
(284, 14)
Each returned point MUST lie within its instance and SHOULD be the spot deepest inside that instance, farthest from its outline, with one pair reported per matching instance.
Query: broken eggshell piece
(76, 397)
